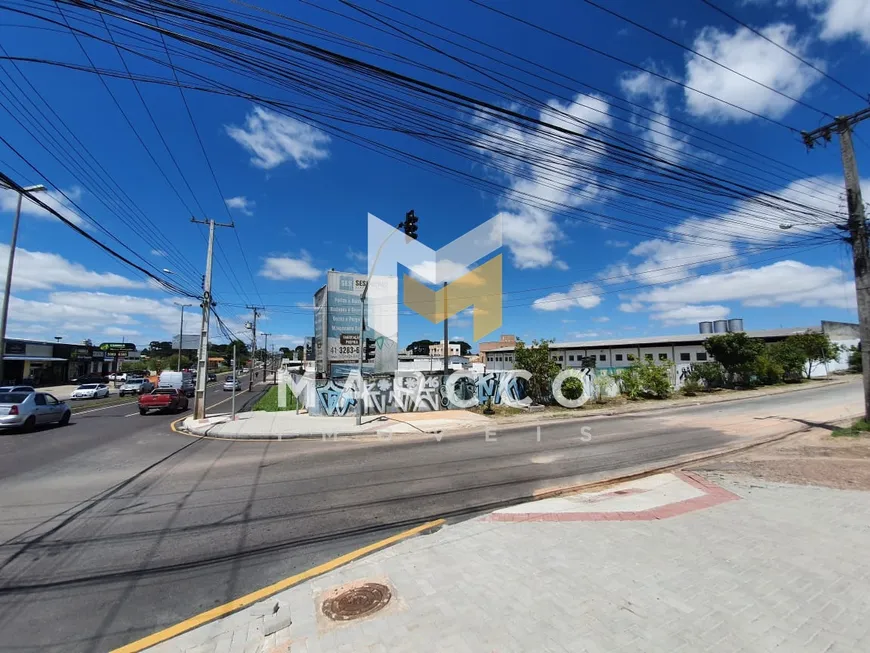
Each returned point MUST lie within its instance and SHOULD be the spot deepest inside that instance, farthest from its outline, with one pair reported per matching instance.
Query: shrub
(537, 361)
(628, 380)
(656, 379)
(856, 364)
(645, 379)
(709, 373)
(737, 353)
(691, 387)
(768, 369)
(572, 388)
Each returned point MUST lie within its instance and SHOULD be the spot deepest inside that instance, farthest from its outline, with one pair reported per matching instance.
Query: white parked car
(118, 377)
(90, 391)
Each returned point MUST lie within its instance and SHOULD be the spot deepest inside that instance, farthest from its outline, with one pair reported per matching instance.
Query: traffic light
(409, 226)
(369, 351)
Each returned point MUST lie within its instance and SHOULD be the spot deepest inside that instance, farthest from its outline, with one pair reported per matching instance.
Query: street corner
(190, 426)
(660, 496)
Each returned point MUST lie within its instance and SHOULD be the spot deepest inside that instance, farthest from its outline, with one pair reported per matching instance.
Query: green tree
(737, 353)
(817, 349)
(709, 373)
(572, 388)
(790, 356)
(768, 367)
(420, 347)
(536, 360)
(856, 364)
(645, 379)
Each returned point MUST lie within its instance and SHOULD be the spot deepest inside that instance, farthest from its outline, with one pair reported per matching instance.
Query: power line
(710, 4)
(630, 64)
(703, 56)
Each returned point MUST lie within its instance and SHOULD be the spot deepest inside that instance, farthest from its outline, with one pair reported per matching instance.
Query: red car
(168, 399)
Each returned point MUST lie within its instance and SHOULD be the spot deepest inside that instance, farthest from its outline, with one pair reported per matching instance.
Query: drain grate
(357, 602)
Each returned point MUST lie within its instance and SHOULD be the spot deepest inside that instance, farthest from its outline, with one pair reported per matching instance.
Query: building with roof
(681, 350)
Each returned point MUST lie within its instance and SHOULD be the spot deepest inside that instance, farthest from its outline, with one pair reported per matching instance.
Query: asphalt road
(113, 527)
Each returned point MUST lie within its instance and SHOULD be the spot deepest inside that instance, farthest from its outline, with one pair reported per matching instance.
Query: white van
(179, 380)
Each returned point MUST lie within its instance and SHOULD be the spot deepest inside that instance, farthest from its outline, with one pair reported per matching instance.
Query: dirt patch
(809, 458)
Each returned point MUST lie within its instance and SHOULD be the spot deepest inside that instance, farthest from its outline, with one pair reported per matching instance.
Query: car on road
(17, 388)
(118, 377)
(135, 387)
(90, 391)
(27, 410)
(231, 383)
(171, 400)
(179, 380)
(211, 378)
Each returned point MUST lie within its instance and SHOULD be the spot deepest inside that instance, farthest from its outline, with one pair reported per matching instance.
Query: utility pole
(265, 352)
(274, 366)
(181, 332)
(857, 228)
(253, 327)
(13, 241)
(446, 341)
(202, 357)
(233, 410)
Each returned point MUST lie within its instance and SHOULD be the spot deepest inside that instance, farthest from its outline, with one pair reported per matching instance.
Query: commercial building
(37, 362)
(437, 349)
(506, 340)
(432, 363)
(681, 350)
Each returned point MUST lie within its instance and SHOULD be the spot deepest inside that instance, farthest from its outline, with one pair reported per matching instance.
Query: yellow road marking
(260, 594)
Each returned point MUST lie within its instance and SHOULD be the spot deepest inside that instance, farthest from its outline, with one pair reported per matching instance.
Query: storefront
(35, 363)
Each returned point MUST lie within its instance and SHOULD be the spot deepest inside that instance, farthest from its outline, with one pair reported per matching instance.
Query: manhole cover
(357, 602)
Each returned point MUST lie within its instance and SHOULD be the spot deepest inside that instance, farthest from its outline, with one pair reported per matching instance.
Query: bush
(769, 370)
(855, 362)
(656, 380)
(645, 379)
(709, 374)
(572, 388)
(628, 380)
(691, 387)
(603, 383)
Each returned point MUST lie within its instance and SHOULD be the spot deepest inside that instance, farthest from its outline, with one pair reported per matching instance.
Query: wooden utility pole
(857, 225)
(256, 310)
(202, 358)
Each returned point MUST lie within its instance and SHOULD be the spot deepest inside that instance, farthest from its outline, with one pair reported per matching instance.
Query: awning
(33, 358)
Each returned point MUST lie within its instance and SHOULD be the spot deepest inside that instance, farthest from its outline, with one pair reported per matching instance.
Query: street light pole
(181, 332)
(13, 241)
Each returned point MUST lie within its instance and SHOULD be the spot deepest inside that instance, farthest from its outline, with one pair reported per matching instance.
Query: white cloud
(585, 334)
(784, 282)
(531, 233)
(282, 267)
(443, 270)
(678, 23)
(584, 295)
(118, 331)
(158, 252)
(90, 313)
(601, 319)
(841, 18)
(688, 313)
(356, 256)
(51, 198)
(631, 307)
(754, 57)
(273, 139)
(241, 203)
(44, 271)
(661, 138)
(617, 243)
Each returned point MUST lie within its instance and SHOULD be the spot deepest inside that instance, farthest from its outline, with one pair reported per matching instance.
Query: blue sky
(299, 196)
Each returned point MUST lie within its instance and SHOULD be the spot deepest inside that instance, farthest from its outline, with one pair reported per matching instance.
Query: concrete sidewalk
(287, 424)
(673, 562)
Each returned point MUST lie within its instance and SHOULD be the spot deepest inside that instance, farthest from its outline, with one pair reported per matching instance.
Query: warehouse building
(682, 350)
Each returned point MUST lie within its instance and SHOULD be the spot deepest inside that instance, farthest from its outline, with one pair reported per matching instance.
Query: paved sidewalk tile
(783, 568)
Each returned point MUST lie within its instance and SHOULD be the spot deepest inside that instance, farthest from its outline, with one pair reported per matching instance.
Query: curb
(604, 412)
(265, 592)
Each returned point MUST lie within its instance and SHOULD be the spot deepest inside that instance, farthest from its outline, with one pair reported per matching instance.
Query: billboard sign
(321, 364)
(187, 342)
(117, 346)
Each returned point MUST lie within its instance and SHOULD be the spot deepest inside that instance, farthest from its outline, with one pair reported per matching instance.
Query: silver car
(27, 410)
(136, 387)
(17, 388)
(230, 383)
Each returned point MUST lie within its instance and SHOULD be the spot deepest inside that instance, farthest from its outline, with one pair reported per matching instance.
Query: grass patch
(854, 431)
(269, 401)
